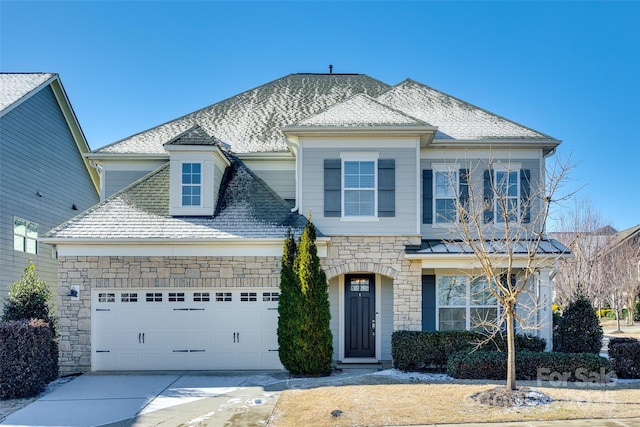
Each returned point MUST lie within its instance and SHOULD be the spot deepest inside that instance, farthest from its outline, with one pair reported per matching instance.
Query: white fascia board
(544, 144)
(273, 155)
(186, 247)
(127, 156)
(358, 130)
(364, 144)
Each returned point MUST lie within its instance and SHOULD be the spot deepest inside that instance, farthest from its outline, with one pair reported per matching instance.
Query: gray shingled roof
(14, 86)
(251, 121)
(194, 136)
(360, 111)
(247, 208)
(454, 118)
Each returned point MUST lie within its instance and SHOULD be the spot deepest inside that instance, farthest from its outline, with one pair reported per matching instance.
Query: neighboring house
(44, 179)
(179, 266)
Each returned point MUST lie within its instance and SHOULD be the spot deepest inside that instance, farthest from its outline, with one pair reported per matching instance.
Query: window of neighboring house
(359, 188)
(445, 193)
(465, 303)
(25, 236)
(191, 184)
(507, 198)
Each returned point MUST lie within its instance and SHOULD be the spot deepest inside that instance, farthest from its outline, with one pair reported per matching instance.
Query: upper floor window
(25, 236)
(359, 188)
(445, 195)
(507, 200)
(444, 189)
(191, 184)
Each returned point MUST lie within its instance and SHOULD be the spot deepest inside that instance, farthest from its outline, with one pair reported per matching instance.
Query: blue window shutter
(332, 187)
(427, 196)
(463, 183)
(525, 195)
(428, 303)
(488, 196)
(386, 187)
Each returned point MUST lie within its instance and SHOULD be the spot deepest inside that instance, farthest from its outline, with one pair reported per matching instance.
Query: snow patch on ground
(413, 376)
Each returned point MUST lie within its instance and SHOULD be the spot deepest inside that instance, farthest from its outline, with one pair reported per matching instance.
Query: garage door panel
(175, 330)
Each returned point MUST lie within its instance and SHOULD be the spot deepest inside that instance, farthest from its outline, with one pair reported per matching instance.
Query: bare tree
(503, 226)
(618, 268)
(583, 232)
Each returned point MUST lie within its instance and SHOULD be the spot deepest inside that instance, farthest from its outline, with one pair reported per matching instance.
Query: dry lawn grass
(412, 404)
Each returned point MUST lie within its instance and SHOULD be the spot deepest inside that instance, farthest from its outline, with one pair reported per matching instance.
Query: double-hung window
(191, 184)
(25, 236)
(507, 200)
(445, 194)
(465, 303)
(359, 188)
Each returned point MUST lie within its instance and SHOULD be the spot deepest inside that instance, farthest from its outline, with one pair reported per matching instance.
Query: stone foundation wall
(143, 272)
(383, 255)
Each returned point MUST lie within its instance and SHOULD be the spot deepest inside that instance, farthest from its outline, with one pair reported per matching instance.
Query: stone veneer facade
(346, 254)
(383, 255)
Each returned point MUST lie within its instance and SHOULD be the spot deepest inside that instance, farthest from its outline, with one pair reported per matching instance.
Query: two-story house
(179, 266)
(44, 179)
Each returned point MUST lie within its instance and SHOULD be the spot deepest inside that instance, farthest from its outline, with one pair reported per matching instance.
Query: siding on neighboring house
(38, 154)
(403, 220)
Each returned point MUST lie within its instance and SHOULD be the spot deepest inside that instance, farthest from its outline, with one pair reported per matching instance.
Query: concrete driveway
(183, 398)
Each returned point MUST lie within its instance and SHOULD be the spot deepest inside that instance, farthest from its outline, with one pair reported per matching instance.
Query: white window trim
(183, 185)
(359, 157)
(510, 167)
(467, 305)
(444, 168)
(25, 236)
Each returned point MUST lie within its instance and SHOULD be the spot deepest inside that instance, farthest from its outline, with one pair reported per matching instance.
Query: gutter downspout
(98, 168)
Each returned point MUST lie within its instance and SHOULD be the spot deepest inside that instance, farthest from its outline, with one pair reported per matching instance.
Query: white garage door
(210, 329)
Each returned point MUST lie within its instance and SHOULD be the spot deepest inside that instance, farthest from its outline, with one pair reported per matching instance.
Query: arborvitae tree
(289, 307)
(579, 330)
(316, 338)
(29, 299)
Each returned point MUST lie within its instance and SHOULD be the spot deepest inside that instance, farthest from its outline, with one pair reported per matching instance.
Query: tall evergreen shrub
(579, 330)
(289, 308)
(317, 340)
(304, 334)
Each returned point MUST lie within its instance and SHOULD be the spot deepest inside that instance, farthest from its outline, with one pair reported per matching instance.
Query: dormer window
(196, 167)
(191, 184)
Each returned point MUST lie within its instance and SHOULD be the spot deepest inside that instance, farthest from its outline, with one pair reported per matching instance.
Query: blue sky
(568, 69)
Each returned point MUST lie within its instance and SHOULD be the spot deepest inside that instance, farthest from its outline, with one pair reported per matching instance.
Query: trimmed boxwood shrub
(430, 350)
(492, 365)
(26, 362)
(624, 354)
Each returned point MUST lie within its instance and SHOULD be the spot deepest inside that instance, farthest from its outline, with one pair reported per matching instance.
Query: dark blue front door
(360, 307)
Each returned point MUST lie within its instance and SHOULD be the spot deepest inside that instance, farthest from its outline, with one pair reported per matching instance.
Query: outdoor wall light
(74, 292)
